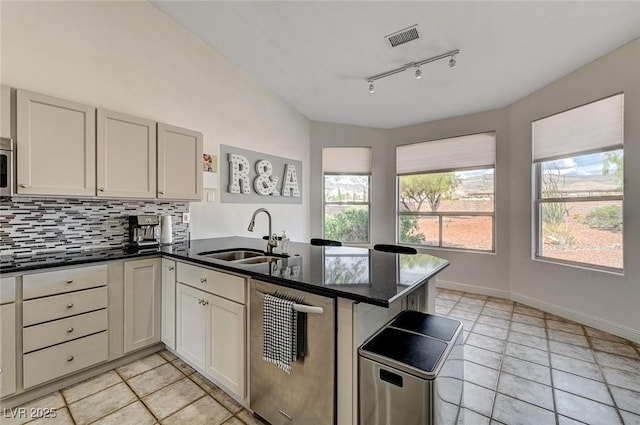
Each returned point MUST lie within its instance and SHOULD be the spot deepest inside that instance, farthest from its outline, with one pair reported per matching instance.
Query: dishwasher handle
(302, 308)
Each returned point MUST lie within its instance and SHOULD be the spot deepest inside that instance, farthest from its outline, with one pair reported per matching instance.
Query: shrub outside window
(346, 194)
(346, 208)
(579, 175)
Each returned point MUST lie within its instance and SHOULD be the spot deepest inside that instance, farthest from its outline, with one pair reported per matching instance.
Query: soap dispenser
(284, 243)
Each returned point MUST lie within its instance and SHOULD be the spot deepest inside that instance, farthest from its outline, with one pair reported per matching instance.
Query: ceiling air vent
(403, 36)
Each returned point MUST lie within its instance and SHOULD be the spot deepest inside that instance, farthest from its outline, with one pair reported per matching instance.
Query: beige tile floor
(522, 366)
(158, 389)
(525, 366)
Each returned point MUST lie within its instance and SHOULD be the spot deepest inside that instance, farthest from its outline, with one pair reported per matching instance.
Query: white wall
(604, 300)
(607, 300)
(130, 57)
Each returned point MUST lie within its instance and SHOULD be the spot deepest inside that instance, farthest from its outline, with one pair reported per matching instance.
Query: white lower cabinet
(225, 339)
(142, 303)
(169, 303)
(191, 323)
(211, 330)
(7, 349)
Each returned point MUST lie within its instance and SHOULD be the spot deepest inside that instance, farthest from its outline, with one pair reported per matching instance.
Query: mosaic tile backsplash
(40, 225)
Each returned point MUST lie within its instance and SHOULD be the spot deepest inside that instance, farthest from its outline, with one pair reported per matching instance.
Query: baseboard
(569, 314)
(603, 325)
(474, 289)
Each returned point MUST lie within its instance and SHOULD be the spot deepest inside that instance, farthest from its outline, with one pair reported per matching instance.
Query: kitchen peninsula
(368, 288)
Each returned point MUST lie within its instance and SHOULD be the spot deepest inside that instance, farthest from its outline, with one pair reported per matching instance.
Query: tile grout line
(553, 387)
(502, 356)
(604, 379)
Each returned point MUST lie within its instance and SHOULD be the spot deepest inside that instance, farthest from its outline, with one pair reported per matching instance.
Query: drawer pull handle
(205, 302)
(23, 185)
(161, 192)
(70, 358)
(70, 305)
(69, 330)
(203, 280)
(170, 268)
(69, 280)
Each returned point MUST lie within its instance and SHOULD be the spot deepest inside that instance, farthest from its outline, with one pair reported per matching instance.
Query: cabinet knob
(161, 192)
(70, 305)
(69, 330)
(170, 268)
(205, 302)
(101, 189)
(70, 358)
(69, 280)
(200, 301)
(23, 185)
(203, 280)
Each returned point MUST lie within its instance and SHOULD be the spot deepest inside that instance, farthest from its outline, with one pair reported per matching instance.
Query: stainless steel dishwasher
(307, 395)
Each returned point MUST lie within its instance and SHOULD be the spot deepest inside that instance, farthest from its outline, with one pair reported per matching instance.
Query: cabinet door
(56, 146)
(179, 163)
(142, 303)
(7, 349)
(190, 324)
(226, 337)
(169, 303)
(126, 156)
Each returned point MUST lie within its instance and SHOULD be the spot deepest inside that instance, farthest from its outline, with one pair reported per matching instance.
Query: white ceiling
(316, 55)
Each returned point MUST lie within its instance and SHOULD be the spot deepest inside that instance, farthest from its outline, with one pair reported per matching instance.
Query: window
(446, 192)
(347, 181)
(578, 160)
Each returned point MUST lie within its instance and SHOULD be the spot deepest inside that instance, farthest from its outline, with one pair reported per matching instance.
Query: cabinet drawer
(51, 363)
(61, 281)
(217, 283)
(65, 305)
(7, 290)
(63, 330)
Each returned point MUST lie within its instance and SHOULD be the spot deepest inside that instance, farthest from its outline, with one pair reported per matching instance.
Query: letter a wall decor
(254, 177)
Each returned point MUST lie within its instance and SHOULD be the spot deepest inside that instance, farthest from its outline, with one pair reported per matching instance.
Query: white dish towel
(279, 326)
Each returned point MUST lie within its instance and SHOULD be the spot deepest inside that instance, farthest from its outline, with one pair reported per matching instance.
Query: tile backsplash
(49, 224)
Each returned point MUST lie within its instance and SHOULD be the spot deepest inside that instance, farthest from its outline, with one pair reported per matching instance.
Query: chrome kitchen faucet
(272, 241)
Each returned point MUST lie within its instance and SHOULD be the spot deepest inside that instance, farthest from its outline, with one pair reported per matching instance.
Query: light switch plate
(186, 217)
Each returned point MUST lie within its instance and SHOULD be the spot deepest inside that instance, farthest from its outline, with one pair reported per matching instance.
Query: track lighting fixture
(418, 73)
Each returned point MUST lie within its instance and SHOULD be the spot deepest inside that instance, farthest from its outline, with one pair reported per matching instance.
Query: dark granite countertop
(358, 274)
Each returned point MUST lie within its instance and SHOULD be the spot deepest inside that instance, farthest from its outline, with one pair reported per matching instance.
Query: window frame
(440, 214)
(539, 200)
(367, 204)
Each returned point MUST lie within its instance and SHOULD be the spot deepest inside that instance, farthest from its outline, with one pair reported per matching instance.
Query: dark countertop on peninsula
(358, 274)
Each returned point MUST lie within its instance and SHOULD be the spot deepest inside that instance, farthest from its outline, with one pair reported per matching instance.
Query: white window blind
(346, 160)
(455, 153)
(597, 126)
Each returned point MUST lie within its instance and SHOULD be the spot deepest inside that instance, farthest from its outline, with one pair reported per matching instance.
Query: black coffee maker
(144, 231)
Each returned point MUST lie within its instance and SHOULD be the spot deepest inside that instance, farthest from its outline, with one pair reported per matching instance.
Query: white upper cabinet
(179, 163)
(56, 146)
(126, 156)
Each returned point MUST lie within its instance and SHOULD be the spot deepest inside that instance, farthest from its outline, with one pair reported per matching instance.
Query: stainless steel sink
(232, 254)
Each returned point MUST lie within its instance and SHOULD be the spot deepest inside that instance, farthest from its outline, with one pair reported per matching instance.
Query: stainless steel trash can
(412, 372)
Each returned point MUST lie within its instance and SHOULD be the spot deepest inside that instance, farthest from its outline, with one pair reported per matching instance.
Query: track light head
(452, 62)
(372, 88)
(418, 73)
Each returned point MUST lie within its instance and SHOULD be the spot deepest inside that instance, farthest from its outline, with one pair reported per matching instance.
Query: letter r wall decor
(254, 177)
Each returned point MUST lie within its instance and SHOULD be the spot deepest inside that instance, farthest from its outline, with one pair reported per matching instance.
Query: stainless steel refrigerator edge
(307, 395)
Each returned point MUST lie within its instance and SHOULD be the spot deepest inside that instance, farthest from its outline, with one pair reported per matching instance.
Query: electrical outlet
(186, 217)
(412, 302)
